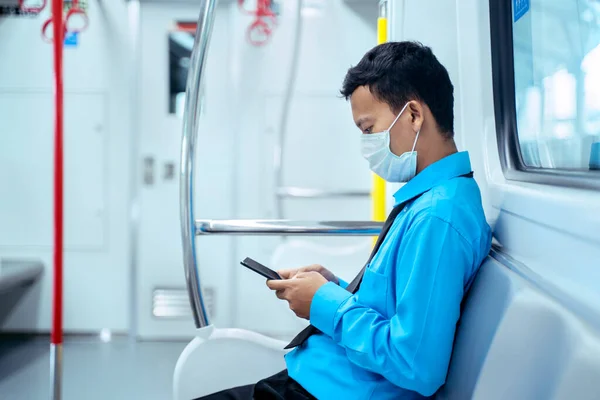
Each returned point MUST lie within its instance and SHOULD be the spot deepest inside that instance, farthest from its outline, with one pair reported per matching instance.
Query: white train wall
(122, 233)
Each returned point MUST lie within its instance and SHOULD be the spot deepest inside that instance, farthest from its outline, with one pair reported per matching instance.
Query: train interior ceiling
(275, 141)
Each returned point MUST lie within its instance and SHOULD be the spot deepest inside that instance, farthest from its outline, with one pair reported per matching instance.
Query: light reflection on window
(557, 82)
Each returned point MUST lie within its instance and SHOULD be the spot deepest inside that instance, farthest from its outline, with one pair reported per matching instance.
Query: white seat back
(514, 341)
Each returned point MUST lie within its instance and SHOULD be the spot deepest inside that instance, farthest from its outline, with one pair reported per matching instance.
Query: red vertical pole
(57, 300)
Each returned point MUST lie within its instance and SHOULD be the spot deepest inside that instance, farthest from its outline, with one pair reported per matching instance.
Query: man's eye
(368, 131)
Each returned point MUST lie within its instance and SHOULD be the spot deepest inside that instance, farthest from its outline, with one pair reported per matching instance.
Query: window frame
(503, 79)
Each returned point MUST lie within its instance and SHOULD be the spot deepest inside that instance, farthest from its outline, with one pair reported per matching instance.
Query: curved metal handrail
(189, 226)
(191, 117)
(294, 192)
(287, 228)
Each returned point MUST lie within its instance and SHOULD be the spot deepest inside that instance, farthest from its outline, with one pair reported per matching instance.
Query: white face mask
(375, 148)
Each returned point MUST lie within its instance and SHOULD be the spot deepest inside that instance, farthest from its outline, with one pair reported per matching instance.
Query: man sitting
(389, 333)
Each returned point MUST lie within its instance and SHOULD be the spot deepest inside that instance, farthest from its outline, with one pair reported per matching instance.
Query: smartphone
(260, 269)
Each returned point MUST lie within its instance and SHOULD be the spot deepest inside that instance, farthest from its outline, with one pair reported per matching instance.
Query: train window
(181, 42)
(547, 85)
(557, 82)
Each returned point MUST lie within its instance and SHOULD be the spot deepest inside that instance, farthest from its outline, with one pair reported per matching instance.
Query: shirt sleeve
(411, 349)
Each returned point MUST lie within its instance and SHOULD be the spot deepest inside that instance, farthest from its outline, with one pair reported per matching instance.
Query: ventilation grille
(174, 303)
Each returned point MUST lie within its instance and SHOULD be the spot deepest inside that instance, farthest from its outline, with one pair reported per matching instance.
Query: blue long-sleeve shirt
(393, 338)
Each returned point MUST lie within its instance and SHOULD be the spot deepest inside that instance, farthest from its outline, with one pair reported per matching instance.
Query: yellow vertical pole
(378, 190)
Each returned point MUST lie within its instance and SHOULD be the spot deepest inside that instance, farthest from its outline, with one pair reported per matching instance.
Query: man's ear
(416, 114)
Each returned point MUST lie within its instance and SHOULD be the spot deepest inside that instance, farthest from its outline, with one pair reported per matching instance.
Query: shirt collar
(449, 167)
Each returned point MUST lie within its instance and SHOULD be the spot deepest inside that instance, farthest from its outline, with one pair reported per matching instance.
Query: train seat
(15, 274)
(218, 359)
(486, 304)
(512, 342)
(17, 278)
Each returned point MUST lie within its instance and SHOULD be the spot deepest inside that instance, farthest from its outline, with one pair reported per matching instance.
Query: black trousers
(276, 387)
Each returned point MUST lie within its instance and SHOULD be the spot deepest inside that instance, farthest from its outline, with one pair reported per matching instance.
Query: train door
(166, 36)
(321, 175)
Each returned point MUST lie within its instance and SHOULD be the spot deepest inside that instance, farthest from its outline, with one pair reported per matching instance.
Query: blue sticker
(520, 8)
(71, 39)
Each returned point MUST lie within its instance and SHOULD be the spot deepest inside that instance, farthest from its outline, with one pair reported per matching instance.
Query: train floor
(120, 369)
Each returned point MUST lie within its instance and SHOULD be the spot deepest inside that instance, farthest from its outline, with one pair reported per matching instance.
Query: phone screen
(260, 269)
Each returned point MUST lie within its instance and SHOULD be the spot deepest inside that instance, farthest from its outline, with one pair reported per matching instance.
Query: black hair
(397, 72)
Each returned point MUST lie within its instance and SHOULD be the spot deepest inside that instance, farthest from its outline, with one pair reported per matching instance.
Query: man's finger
(306, 274)
(312, 267)
(287, 273)
(280, 294)
(278, 284)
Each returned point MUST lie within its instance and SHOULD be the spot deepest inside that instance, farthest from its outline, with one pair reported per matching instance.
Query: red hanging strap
(75, 11)
(259, 32)
(33, 10)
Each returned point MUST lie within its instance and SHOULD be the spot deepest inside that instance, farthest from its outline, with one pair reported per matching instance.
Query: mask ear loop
(415, 143)
(397, 117)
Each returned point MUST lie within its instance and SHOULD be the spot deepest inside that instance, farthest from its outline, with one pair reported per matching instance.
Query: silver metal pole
(55, 371)
(191, 117)
(383, 8)
(134, 13)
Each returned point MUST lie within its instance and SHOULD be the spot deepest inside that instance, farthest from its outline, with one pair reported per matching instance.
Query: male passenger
(389, 333)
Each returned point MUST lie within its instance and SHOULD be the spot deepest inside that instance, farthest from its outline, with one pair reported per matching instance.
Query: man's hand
(290, 273)
(299, 291)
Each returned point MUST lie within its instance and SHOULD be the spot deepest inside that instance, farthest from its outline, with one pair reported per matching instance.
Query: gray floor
(118, 370)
